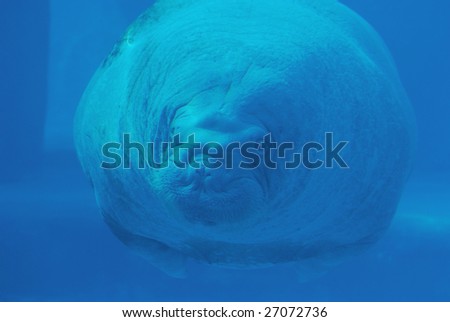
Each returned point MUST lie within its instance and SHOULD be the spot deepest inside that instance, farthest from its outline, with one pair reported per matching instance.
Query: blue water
(54, 244)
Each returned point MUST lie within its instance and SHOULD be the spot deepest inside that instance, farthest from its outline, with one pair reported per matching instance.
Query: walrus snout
(213, 196)
(212, 186)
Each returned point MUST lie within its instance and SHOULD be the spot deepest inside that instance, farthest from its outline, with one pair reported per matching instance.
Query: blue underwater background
(54, 245)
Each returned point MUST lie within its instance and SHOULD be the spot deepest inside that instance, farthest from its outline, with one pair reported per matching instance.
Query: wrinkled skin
(235, 71)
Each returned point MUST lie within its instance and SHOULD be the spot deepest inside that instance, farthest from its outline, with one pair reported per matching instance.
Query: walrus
(234, 71)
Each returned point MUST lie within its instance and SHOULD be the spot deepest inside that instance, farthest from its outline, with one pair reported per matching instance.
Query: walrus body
(233, 71)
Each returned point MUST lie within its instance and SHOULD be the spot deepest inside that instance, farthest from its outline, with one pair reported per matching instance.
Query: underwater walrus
(233, 71)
